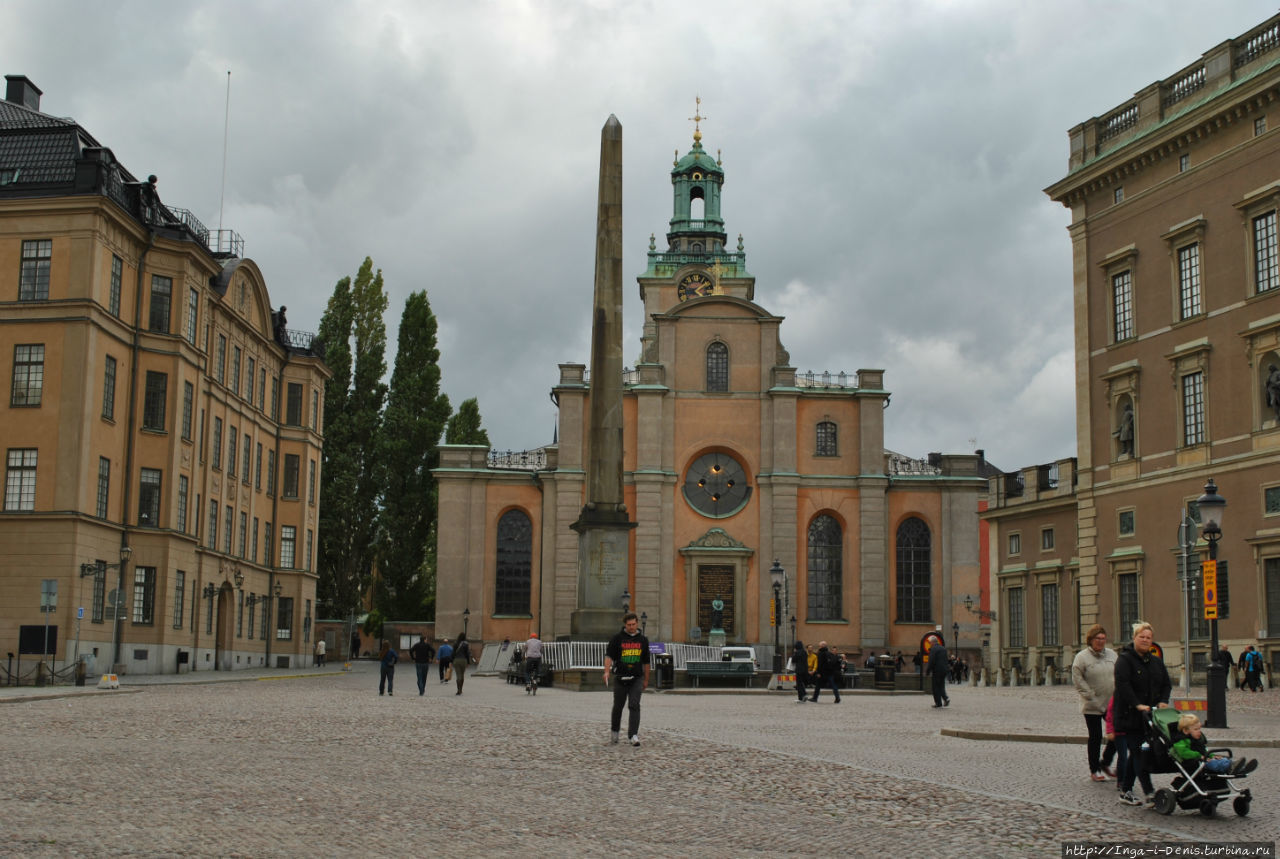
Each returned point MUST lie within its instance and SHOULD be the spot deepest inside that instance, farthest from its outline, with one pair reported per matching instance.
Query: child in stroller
(1205, 777)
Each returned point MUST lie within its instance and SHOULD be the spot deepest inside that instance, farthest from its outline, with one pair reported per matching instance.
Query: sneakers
(635, 739)
(1097, 776)
(1129, 799)
(1149, 799)
(1109, 771)
(946, 702)
(613, 738)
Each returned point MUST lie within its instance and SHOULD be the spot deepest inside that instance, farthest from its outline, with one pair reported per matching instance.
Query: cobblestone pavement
(321, 765)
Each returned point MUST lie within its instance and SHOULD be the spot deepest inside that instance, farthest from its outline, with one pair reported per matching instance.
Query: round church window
(716, 485)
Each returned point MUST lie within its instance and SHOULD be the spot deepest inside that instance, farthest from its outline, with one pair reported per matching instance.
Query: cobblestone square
(320, 765)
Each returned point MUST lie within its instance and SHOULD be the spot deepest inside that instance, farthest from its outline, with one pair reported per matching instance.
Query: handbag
(448, 673)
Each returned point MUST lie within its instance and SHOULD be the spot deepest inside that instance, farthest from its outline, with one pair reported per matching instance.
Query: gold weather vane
(696, 119)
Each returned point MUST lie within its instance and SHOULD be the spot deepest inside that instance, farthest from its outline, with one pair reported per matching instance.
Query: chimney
(21, 90)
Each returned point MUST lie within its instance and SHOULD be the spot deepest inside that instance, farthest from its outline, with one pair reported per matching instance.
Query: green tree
(355, 336)
(409, 448)
(464, 427)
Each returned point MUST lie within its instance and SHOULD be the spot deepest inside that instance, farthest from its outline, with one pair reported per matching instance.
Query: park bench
(698, 670)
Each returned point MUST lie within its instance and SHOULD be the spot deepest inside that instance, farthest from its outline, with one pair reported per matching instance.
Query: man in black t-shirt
(626, 662)
(422, 652)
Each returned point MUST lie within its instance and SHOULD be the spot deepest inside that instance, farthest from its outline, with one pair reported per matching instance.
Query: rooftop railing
(827, 379)
(518, 460)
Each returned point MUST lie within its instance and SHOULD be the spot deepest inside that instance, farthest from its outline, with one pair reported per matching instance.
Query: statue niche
(1123, 433)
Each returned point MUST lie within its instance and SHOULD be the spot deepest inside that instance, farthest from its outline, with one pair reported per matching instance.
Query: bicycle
(532, 667)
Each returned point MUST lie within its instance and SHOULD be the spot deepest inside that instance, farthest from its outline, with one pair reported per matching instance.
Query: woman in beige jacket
(1094, 673)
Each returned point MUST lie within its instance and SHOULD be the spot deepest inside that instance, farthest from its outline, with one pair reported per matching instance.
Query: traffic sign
(1209, 576)
(113, 597)
(80, 613)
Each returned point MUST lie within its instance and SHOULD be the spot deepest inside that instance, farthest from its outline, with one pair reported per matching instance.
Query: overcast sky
(884, 162)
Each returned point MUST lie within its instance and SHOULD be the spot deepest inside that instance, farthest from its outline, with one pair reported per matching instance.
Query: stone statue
(1124, 432)
(1272, 389)
(281, 336)
(717, 613)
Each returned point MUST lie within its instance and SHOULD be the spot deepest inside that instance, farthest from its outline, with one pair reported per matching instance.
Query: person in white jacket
(1094, 674)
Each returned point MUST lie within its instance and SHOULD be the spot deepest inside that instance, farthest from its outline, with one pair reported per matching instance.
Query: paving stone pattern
(320, 765)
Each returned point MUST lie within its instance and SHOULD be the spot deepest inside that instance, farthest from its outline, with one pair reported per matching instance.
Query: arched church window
(515, 561)
(826, 444)
(717, 367)
(915, 578)
(825, 574)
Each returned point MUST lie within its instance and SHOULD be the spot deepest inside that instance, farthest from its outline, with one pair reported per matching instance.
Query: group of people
(1249, 669)
(822, 669)
(1117, 692)
(453, 660)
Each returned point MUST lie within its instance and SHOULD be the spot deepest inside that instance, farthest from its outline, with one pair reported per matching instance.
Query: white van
(739, 654)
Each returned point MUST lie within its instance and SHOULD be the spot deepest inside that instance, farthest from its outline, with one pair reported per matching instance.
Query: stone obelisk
(603, 526)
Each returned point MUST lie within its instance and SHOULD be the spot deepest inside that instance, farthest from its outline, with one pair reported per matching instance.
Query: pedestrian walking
(800, 661)
(444, 657)
(532, 660)
(355, 644)
(461, 659)
(626, 663)
(387, 668)
(938, 672)
(319, 652)
(422, 652)
(1253, 669)
(1093, 672)
(828, 672)
(1141, 684)
(917, 662)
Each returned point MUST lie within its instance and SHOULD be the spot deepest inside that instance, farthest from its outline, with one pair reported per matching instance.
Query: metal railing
(226, 242)
(570, 655)
(518, 460)
(827, 379)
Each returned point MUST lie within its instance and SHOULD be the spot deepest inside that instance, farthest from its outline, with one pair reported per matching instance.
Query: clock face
(694, 285)
(716, 485)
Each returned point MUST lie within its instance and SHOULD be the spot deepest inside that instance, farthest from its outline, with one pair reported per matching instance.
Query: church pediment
(717, 539)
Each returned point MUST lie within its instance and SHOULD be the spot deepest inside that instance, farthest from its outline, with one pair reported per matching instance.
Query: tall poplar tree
(464, 427)
(409, 448)
(355, 338)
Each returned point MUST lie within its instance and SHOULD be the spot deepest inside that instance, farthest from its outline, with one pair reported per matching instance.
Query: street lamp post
(466, 617)
(1186, 539)
(776, 573)
(955, 638)
(1212, 507)
(92, 569)
(626, 600)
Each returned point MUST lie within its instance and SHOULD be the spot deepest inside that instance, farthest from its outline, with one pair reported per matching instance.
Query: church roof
(699, 158)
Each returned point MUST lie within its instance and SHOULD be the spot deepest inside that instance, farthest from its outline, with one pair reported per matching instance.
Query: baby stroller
(1194, 786)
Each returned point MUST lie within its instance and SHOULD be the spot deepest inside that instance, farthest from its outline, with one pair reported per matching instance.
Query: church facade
(733, 462)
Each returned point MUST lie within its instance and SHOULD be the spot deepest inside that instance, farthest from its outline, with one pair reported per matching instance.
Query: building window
(1271, 500)
(20, 479)
(1126, 525)
(306, 623)
(193, 309)
(275, 399)
(161, 296)
(240, 614)
(179, 597)
(235, 370)
(244, 534)
(266, 544)
(311, 482)
(257, 468)
(213, 523)
(248, 381)
(826, 442)
(183, 489)
(293, 409)
(291, 465)
(109, 389)
(1046, 539)
(1017, 618)
(311, 539)
(1259, 126)
(253, 604)
(315, 410)
(1271, 573)
(1189, 281)
(1127, 584)
(1049, 615)
(228, 523)
(254, 543)
(244, 461)
(1122, 304)
(117, 277)
(208, 615)
(188, 403)
(915, 579)
(28, 375)
(220, 362)
(1184, 161)
(271, 472)
(1015, 543)
(717, 367)
(262, 389)
(514, 564)
(144, 595)
(37, 256)
(153, 405)
(265, 616)
(217, 442)
(149, 498)
(288, 545)
(104, 485)
(825, 579)
(1266, 258)
(99, 594)
(233, 441)
(1193, 409)
(284, 618)
(1117, 196)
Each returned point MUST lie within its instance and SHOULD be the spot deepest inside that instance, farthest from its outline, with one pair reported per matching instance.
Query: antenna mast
(226, 123)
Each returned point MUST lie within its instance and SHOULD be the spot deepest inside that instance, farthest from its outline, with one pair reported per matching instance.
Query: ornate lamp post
(1212, 506)
(776, 573)
(626, 600)
(466, 617)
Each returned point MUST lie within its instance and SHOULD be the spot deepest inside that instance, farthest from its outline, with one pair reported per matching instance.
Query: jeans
(802, 683)
(532, 666)
(444, 665)
(629, 694)
(832, 681)
(422, 668)
(1098, 757)
(387, 678)
(1137, 764)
